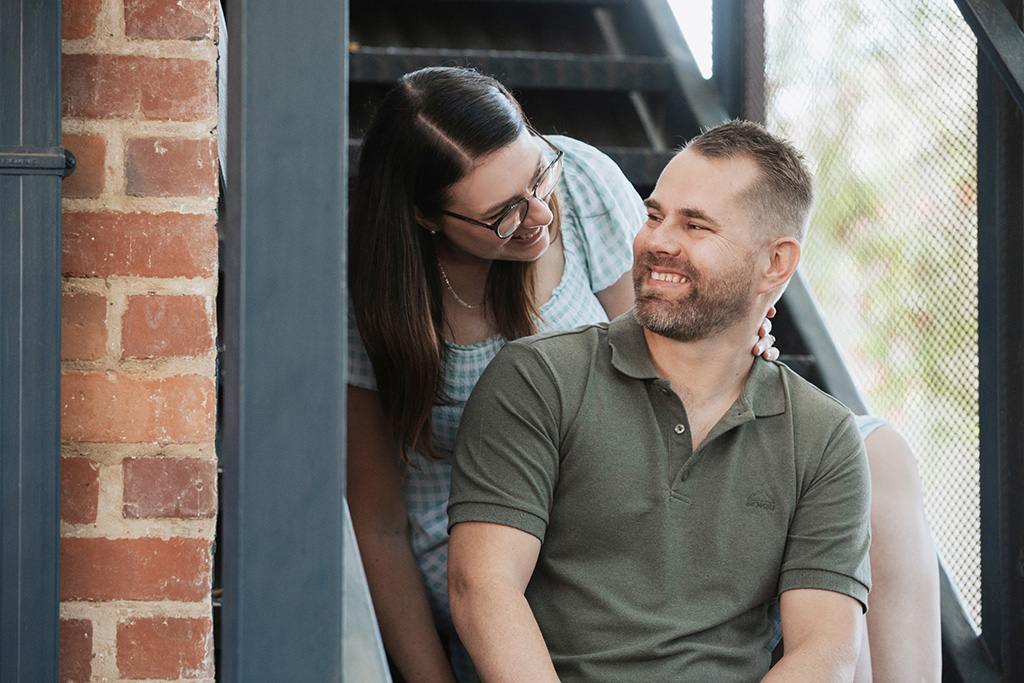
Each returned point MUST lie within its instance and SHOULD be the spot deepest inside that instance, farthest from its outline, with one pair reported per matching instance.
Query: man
(628, 498)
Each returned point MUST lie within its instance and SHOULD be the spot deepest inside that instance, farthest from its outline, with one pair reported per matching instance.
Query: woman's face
(495, 182)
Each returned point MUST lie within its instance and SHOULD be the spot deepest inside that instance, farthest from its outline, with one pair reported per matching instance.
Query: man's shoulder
(810, 406)
(564, 357)
(557, 342)
(804, 390)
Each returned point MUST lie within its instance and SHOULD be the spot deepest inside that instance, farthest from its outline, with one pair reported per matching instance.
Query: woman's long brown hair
(425, 135)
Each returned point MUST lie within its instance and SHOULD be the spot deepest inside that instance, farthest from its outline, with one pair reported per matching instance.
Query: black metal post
(1001, 326)
(999, 39)
(31, 167)
(738, 55)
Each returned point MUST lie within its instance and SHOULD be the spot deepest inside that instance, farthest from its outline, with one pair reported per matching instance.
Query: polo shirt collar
(630, 355)
(764, 391)
(763, 394)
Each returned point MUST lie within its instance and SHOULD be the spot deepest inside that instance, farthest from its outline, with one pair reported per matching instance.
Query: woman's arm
(617, 298)
(382, 530)
(903, 619)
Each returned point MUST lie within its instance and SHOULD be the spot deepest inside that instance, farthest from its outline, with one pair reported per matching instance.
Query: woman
(467, 228)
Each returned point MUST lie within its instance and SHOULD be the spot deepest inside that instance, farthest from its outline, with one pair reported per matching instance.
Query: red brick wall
(138, 396)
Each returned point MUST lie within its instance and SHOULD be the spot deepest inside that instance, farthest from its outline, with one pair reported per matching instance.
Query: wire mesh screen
(881, 96)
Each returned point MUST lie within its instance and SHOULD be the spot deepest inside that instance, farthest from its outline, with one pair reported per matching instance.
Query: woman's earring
(422, 222)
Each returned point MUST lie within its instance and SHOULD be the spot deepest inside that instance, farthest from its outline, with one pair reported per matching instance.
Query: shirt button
(680, 428)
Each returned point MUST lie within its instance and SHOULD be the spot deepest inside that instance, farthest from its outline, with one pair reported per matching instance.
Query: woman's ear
(783, 257)
(430, 226)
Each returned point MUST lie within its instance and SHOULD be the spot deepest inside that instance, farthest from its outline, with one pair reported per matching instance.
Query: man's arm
(821, 634)
(489, 567)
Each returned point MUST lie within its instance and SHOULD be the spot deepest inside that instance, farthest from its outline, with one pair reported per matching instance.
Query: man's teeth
(669, 277)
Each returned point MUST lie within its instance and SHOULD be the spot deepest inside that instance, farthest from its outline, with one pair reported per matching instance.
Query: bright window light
(694, 17)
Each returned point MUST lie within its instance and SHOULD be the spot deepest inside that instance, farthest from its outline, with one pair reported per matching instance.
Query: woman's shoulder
(592, 183)
(582, 157)
(869, 423)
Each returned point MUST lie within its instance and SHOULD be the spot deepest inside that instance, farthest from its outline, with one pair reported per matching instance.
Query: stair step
(641, 165)
(591, 3)
(519, 69)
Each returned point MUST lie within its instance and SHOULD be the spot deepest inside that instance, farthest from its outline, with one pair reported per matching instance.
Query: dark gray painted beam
(739, 56)
(283, 409)
(29, 338)
(1001, 365)
(1000, 39)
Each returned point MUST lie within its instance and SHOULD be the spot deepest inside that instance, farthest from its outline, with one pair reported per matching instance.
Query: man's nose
(665, 239)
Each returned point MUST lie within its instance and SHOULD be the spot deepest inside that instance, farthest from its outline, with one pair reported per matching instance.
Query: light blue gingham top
(601, 213)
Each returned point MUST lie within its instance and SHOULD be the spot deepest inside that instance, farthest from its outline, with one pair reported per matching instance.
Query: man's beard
(710, 307)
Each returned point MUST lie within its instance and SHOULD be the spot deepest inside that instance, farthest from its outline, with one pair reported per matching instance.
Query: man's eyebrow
(690, 212)
(685, 212)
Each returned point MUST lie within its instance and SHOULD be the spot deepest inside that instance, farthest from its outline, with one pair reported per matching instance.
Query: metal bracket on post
(70, 163)
(37, 161)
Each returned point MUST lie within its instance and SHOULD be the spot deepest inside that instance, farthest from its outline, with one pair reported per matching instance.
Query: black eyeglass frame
(512, 207)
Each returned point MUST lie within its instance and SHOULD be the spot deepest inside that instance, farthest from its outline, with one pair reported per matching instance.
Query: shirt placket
(673, 420)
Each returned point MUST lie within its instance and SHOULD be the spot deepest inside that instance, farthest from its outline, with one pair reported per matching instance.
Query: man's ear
(430, 226)
(783, 256)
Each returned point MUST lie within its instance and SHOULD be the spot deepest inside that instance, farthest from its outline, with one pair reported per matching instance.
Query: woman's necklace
(444, 276)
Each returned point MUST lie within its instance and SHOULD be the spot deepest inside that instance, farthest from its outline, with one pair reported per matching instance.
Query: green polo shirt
(658, 563)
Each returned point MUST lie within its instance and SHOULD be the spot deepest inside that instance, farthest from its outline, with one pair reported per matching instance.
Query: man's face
(694, 259)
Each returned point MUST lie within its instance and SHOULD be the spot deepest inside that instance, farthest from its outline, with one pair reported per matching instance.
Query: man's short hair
(781, 198)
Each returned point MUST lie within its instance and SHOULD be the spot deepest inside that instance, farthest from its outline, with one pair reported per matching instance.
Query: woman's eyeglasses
(513, 215)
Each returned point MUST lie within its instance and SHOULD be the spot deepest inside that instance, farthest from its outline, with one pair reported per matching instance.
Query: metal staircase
(615, 73)
(587, 69)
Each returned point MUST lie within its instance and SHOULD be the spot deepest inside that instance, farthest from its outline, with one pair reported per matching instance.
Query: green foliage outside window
(882, 98)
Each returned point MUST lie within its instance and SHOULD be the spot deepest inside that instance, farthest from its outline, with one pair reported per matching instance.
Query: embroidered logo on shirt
(761, 499)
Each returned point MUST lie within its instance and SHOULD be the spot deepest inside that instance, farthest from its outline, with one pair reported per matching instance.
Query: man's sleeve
(827, 546)
(506, 455)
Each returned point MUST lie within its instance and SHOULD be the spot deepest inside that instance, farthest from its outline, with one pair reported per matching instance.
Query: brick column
(138, 394)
